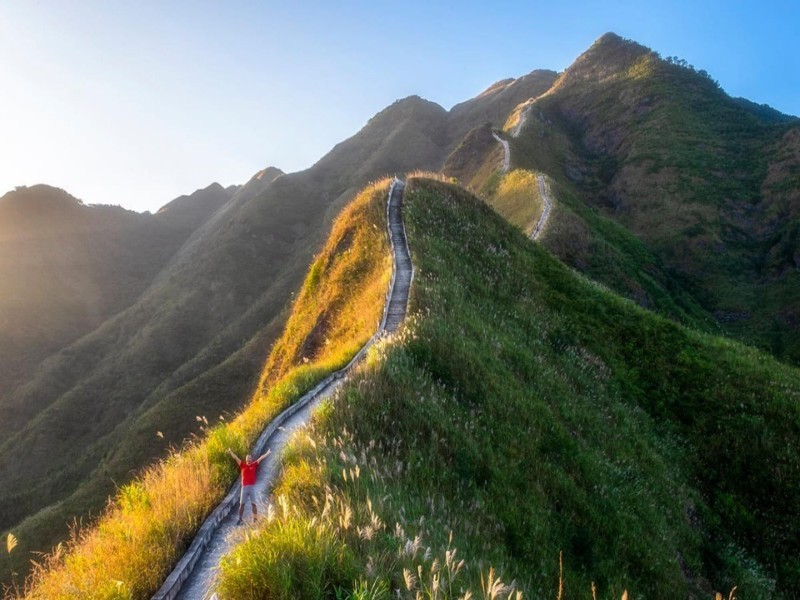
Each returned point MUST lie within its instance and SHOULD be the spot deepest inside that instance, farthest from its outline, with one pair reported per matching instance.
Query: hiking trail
(194, 576)
(544, 189)
(544, 193)
(506, 152)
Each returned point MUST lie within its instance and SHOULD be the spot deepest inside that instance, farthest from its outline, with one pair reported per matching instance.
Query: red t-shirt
(248, 472)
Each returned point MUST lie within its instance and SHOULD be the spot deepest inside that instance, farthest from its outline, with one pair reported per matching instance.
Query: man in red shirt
(249, 468)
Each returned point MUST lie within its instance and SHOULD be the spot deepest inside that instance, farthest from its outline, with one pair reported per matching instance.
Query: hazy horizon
(137, 105)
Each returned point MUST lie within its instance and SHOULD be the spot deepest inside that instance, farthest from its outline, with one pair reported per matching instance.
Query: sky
(136, 103)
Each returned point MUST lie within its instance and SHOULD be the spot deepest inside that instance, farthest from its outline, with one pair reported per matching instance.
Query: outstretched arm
(234, 457)
(263, 456)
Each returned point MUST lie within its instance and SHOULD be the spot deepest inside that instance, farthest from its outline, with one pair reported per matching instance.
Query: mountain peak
(38, 200)
(611, 42)
(412, 99)
(494, 104)
(199, 195)
(609, 38)
(612, 48)
(34, 193)
(497, 86)
(192, 210)
(268, 174)
(610, 57)
(408, 105)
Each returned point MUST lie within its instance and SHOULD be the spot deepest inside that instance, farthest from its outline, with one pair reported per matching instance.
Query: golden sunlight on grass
(517, 199)
(341, 301)
(145, 529)
(643, 68)
(436, 176)
(408, 480)
(513, 120)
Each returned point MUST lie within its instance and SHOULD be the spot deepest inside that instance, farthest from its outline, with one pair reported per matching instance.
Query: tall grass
(149, 523)
(517, 198)
(523, 413)
(142, 531)
(325, 536)
(664, 152)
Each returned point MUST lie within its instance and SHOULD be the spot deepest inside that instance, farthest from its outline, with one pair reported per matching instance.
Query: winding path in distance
(523, 116)
(544, 190)
(506, 152)
(544, 193)
(193, 577)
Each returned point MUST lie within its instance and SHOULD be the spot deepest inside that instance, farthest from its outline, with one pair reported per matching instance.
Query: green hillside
(668, 192)
(150, 522)
(704, 183)
(195, 340)
(577, 234)
(194, 337)
(67, 267)
(495, 103)
(523, 414)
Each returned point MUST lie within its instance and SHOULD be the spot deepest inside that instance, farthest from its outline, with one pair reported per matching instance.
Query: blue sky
(135, 103)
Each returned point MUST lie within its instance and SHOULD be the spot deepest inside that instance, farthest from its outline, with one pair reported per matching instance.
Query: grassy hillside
(516, 196)
(66, 267)
(525, 414)
(708, 184)
(576, 233)
(151, 520)
(668, 192)
(495, 103)
(195, 339)
(81, 404)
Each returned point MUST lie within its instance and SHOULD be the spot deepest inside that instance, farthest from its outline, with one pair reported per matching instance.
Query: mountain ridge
(658, 148)
(612, 138)
(209, 315)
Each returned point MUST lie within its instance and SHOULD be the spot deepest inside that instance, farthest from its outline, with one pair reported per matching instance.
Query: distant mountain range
(115, 325)
(670, 192)
(118, 325)
(709, 184)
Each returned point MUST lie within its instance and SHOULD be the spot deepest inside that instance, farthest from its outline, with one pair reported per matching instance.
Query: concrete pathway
(194, 576)
(506, 152)
(200, 581)
(523, 116)
(544, 191)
